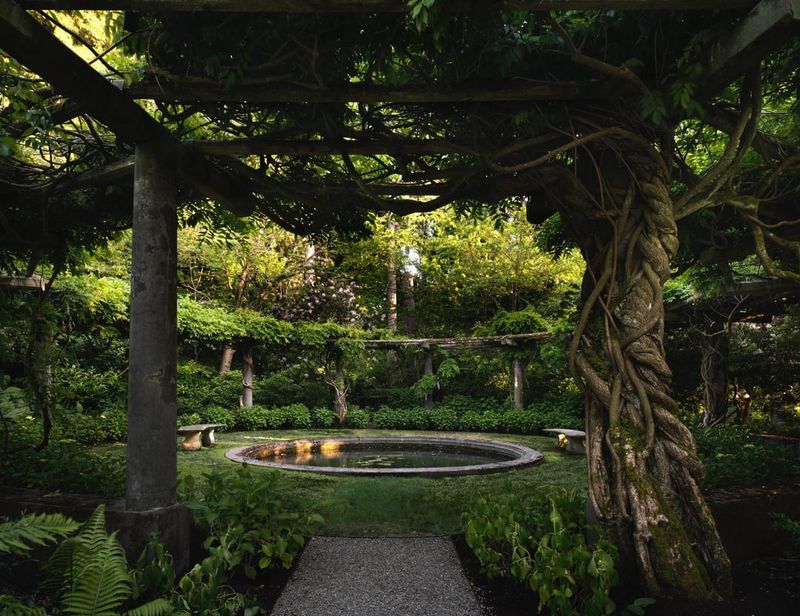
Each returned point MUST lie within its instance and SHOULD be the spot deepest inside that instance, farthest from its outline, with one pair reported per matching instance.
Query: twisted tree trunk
(225, 363)
(341, 389)
(643, 469)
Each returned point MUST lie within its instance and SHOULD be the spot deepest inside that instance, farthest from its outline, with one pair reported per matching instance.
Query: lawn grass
(392, 506)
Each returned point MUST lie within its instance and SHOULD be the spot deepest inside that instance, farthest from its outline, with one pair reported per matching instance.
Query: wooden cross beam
(27, 41)
(521, 90)
(382, 6)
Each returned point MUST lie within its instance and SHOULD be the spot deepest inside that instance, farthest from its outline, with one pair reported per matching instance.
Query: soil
(762, 587)
(266, 587)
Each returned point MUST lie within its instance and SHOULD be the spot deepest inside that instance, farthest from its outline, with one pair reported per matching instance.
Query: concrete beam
(27, 41)
(768, 27)
(35, 282)
(381, 6)
(510, 90)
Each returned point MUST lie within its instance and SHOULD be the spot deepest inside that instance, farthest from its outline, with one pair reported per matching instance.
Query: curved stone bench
(198, 435)
(574, 441)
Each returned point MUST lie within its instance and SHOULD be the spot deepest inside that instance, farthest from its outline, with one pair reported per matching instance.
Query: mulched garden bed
(266, 587)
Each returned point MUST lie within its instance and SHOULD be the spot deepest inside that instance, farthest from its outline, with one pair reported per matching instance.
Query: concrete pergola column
(518, 382)
(152, 452)
(428, 370)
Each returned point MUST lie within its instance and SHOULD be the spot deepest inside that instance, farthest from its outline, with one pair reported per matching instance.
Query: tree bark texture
(247, 377)
(152, 410)
(714, 372)
(228, 351)
(643, 467)
(38, 364)
(340, 391)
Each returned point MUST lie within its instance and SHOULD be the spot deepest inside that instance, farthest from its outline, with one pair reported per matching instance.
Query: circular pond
(391, 455)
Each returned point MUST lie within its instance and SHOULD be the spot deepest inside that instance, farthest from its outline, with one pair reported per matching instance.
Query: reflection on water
(335, 456)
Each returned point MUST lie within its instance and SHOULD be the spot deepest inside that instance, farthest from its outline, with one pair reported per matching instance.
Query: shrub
(219, 415)
(523, 422)
(356, 418)
(88, 389)
(443, 418)
(387, 418)
(67, 467)
(295, 416)
(200, 387)
(791, 526)
(252, 418)
(290, 386)
(396, 397)
(108, 427)
(560, 411)
(733, 455)
(541, 544)
(323, 418)
(414, 418)
(292, 416)
(188, 419)
(489, 421)
(462, 404)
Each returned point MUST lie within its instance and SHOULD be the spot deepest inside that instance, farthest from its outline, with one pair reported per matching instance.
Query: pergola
(428, 345)
(162, 161)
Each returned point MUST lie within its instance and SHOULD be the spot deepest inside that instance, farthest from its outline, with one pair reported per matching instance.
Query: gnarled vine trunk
(340, 389)
(225, 363)
(643, 469)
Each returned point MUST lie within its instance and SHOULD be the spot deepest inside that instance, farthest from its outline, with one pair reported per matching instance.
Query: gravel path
(341, 576)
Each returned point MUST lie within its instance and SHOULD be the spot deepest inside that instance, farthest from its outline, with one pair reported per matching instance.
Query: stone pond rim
(518, 456)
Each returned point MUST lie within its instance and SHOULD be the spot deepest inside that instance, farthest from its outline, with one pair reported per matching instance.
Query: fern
(90, 570)
(20, 536)
(11, 605)
(59, 567)
(157, 607)
(102, 584)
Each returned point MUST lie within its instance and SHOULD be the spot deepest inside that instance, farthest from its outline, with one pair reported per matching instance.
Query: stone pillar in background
(428, 370)
(518, 383)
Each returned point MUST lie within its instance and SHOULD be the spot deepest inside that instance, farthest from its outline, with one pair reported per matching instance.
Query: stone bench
(572, 441)
(198, 435)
